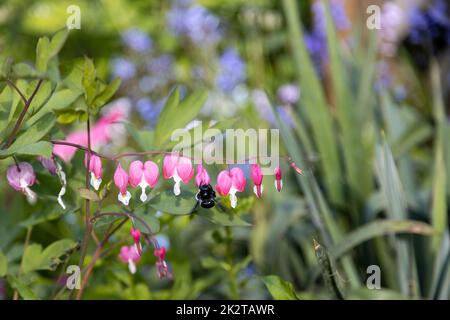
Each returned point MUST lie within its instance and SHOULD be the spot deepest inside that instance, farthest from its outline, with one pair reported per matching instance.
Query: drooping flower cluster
(180, 169)
(195, 22)
(132, 254)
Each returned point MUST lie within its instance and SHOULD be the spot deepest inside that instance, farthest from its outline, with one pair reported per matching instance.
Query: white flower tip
(125, 199)
(233, 200)
(31, 196)
(177, 189)
(61, 202)
(131, 266)
(143, 196)
(95, 183)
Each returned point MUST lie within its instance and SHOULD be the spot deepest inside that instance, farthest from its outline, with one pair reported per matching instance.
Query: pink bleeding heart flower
(161, 265)
(178, 168)
(129, 255)
(143, 175)
(100, 135)
(96, 170)
(202, 176)
(21, 177)
(230, 182)
(136, 235)
(121, 182)
(278, 180)
(257, 177)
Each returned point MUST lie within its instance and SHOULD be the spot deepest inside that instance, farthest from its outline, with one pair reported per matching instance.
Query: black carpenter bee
(206, 197)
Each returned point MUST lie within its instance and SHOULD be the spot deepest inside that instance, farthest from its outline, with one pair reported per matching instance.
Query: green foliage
(34, 258)
(280, 289)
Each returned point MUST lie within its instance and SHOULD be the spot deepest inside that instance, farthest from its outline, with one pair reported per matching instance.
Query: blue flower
(137, 40)
(316, 39)
(231, 70)
(194, 22)
(123, 68)
(150, 110)
(430, 26)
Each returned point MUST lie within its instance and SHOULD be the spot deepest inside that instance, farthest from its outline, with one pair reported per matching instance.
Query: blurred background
(364, 113)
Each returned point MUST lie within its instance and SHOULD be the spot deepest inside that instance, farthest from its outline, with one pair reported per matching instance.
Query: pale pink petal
(151, 173)
(184, 169)
(121, 179)
(202, 176)
(136, 173)
(169, 165)
(224, 182)
(238, 177)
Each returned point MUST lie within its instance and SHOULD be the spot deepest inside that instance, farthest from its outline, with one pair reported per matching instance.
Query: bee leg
(194, 209)
(221, 207)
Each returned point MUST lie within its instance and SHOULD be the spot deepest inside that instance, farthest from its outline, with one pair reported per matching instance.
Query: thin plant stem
(18, 124)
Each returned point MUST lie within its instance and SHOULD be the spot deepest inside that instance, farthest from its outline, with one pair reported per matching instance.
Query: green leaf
(177, 115)
(219, 217)
(280, 289)
(392, 190)
(377, 229)
(108, 92)
(3, 264)
(22, 288)
(167, 202)
(41, 148)
(88, 81)
(149, 219)
(40, 217)
(24, 70)
(35, 132)
(314, 103)
(88, 194)
(59, 100)
(48, 259)
(57, 42)
(42, 54)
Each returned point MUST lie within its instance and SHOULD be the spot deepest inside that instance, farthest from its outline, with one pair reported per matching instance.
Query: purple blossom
(123, 68)
(316, 39)
(194, 22)
(137, 40)
(430, 26)
(150, 110)
(289, 94)
(231, 70)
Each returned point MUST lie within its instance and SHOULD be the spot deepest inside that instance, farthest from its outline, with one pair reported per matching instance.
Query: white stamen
(281, 185)
(143, 186)
(95, 183)
(233, 198)
(125, 199)
(31, 196)
(255, 190)
(137, 249)
(177, 185)
(131, 266)
(62, 179)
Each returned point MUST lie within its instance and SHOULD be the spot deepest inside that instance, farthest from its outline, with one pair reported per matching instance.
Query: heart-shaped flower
(95, 168)
(202, 176)
(178, 168)
(143, 175)
(231, 182)
(257, 180)
(121, 182)
(21, 177)
(129, 255)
